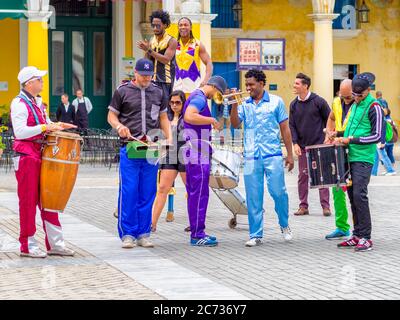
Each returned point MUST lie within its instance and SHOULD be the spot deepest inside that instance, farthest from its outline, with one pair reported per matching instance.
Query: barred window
(82, 8)
(229, 13)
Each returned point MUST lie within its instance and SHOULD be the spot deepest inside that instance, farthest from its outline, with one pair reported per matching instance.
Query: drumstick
(138, 140)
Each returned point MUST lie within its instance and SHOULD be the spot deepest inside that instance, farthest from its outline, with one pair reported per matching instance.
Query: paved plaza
(309, 267)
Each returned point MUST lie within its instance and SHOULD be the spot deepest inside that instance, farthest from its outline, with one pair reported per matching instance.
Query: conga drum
(60, 161)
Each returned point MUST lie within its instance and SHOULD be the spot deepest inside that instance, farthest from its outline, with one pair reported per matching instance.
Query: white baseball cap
(28, 73)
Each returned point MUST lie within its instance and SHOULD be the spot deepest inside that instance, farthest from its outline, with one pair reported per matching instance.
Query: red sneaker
(363, 245)
(350, 243)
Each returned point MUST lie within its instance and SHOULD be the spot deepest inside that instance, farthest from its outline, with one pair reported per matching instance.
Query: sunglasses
(347, 97)
(357, 94)
(157, 26)
(175, 102)
(35, 78)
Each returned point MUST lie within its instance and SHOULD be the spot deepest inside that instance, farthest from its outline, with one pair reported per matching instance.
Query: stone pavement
(308, 268)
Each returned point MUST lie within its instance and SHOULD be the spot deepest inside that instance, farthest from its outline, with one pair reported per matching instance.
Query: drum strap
(29, 103)
(219, 182)
(190, 145)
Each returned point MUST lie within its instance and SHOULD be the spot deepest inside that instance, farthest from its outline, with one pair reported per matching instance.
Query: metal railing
(101, 147)
(6, 158)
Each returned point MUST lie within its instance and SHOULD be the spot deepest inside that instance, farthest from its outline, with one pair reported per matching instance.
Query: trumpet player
(197, 122)
(264, 117)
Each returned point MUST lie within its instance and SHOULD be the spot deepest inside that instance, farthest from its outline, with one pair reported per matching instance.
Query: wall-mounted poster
(266, 54)
(250, 52)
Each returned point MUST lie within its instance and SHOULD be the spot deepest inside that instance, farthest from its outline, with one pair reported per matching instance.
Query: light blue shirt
(261, 126)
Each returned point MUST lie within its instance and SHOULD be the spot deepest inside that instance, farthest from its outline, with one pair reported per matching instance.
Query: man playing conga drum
(30, 123)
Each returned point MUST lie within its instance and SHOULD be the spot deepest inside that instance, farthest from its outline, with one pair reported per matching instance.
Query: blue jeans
(381, 155)
(254, 171)
(389, 151)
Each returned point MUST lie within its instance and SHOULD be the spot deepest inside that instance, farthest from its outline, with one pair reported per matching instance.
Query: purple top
(198, 132)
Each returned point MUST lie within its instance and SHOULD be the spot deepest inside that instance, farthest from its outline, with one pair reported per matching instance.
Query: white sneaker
(287, 234)
(35, 253)
(391, 173)
(254, 242)
(128, 242)
(145, 243)
(61, 252)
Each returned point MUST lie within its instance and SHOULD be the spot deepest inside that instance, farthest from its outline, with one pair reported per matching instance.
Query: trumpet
(238, 97)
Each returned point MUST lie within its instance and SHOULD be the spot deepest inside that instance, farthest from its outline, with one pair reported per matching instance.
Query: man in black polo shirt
(137, 110)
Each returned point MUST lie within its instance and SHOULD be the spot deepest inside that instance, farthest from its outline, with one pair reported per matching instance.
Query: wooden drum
(60, 161)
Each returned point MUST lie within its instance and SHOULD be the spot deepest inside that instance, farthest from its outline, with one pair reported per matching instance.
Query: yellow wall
(279, 20)
(38, 53)
(128, 28)
(376, 49)
(173, 30)
(9, 59)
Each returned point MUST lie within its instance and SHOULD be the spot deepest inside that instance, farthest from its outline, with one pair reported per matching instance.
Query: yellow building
(87, 44)
(370, 46)
(91, 44)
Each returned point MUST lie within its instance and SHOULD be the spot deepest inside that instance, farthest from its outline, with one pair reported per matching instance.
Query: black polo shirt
(138, 108)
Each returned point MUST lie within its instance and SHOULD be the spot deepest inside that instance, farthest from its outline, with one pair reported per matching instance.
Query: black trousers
(167, 90)
(358, 194)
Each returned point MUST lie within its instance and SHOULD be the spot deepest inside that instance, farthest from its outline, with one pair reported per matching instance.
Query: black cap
(219, 83)
(144, 67)
(362, 82)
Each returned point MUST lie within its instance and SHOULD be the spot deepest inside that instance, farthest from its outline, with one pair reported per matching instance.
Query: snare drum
(225, 167)
(328, 165)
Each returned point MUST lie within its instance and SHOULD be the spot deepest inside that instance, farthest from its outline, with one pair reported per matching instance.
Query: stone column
(323, 17)
(38, 50)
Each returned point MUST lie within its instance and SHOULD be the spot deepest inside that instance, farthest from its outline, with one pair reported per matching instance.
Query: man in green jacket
(363, 131)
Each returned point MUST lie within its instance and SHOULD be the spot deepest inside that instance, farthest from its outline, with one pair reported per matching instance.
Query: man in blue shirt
(264, 117)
